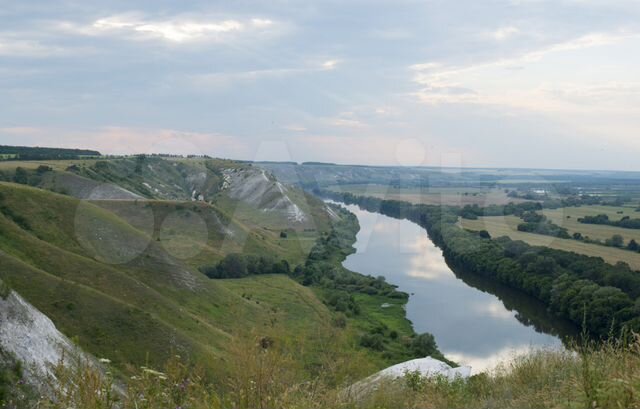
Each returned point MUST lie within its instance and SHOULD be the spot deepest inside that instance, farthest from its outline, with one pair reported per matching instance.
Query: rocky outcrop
(424, 367)
(261, 190)
(32, 338)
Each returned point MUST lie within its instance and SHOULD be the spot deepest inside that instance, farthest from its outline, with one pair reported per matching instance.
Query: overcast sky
(513, 83)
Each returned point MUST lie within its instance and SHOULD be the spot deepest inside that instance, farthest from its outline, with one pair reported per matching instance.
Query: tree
(233, 266)
(633, 245)
(577, 236)
(424, 345)
(43, 169)
(484, 234)
(615, 241)
(21, 176)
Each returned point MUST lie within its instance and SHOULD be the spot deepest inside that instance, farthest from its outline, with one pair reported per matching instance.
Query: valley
(137, 260)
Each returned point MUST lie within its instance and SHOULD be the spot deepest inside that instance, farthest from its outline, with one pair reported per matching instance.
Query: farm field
(453, 196)
(568, 218)
(507, 226)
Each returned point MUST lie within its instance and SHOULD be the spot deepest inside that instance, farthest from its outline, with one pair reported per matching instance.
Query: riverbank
(371, 308)
(585, 290)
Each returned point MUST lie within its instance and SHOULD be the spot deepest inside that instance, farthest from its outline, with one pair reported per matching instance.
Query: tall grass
(265, 375)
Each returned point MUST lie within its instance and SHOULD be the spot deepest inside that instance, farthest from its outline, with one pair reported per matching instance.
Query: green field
(453, 196)
(508, 226)
(567, 217)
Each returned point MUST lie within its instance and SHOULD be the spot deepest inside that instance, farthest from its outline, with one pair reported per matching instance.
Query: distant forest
(38, 153)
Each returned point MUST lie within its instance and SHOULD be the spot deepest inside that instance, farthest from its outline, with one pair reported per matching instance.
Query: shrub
(372, 341)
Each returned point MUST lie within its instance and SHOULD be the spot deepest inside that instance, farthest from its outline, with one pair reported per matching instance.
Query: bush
(424, 345)
(21, 176)
(372, 341)
(237, 265)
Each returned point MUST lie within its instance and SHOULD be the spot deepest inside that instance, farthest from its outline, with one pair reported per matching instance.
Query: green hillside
(122, 275)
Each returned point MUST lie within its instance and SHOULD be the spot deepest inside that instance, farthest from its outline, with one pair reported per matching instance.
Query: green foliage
(38, 153)
(21, 176)
(571, 284)
(603, 376)
(43, 169)
(14, 391)
(237, 265)
(546, 228)
(615, 241)
(424, 345)
(5, 290)
(626, 222)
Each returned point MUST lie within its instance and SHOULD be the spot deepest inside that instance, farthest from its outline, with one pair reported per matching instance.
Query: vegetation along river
(474, 322)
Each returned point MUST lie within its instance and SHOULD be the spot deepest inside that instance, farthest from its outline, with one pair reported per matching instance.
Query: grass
(452, 196)
(567, 217)
(267, 376)
(150, 304)
(109, 275)
(507, 226)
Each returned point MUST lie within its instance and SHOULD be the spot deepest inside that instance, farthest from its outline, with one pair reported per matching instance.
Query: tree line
(583, 289)
(38, 153)
(626, 222)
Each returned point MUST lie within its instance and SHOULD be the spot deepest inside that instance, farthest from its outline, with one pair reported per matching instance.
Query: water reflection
(475, 322)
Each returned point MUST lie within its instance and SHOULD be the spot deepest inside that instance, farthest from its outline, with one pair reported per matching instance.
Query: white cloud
(352, 123)
(486, 82)
(174, 30)
(504, 33)
(330, 64)
(17, 47)
(295, 128)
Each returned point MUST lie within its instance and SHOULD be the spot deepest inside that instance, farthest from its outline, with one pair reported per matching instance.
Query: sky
(511, 83)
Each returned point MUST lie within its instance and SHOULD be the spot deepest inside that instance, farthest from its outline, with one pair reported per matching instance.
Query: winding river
(475, 322)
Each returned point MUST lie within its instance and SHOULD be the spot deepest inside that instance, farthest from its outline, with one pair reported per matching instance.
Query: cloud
(128, 140)
(330, 64)
(351, 123)
(19, 47)
(177, 29)
(485, 83)
(504, 33)
(226, 79)
(295, 128)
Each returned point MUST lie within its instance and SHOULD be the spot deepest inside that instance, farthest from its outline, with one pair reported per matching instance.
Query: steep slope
(242, 191)
(32, 339)
(120, 278)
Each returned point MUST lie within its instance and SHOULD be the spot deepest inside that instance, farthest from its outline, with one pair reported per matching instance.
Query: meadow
(268, 377)
(508, 226)
(451, 196)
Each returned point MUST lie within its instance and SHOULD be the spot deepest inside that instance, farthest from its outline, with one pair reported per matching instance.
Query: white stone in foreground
(427, 367)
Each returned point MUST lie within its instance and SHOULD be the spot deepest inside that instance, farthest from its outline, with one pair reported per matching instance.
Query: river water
(475, 322)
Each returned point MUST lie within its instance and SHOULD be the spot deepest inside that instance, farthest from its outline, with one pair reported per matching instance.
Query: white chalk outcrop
(33, 339)
(427, 367)
(261, 190)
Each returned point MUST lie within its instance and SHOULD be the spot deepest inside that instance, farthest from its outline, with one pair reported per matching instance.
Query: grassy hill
(119, 271)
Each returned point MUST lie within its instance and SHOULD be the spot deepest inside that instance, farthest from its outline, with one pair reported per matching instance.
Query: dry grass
(265, 375)
(508, 226)
(452, 196)
(567, 217)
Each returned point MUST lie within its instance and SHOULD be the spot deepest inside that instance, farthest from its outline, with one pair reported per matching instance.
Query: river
(475, 322)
